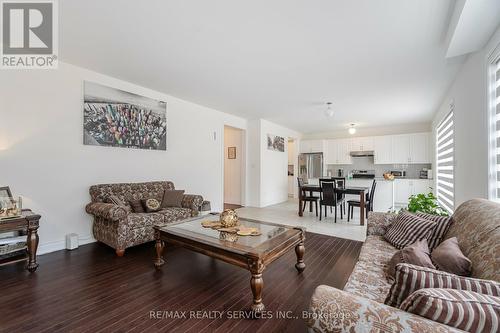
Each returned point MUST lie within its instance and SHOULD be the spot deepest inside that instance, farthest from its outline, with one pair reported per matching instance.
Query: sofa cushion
(143, 220)
(408, 229)
(151, 205)
(410, 278)
(136, 206)
(129, 191)
(465, 310)
(443, 224)
(417, 254)
(172, 198)
(368, 277)
(449, 258)
(172, 214)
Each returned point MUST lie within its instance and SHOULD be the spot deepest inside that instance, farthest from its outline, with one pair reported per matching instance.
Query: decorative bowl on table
(228, 218)
(388, 176)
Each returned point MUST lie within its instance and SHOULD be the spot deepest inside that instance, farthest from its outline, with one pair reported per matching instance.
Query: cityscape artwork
(276, 143)
(117, 118)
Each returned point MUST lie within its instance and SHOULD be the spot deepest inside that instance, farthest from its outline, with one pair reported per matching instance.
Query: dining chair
(341, 182)
(368, 202)
(307, 198)
(329, 198)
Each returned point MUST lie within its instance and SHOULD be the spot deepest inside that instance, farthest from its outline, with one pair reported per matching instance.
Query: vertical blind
(496, 128)
(445, 158)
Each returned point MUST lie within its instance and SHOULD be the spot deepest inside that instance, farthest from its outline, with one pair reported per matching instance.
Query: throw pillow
(151, 205)
(114, 199)
(449, 258)
(410, 278)
(136, 205)
(172, 198)
(408, 229)
(443, 224)
(416, 254)
(465, 310)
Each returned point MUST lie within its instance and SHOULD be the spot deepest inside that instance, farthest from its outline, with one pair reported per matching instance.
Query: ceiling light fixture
(352, 129)
(329, 111)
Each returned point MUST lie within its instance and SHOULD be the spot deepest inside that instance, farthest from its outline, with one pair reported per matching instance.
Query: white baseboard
(61, 244)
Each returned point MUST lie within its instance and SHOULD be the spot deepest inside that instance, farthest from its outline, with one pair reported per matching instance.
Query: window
(445, 160)
(495, 129)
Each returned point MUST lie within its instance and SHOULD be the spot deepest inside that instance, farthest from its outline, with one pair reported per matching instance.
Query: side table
(29, 222)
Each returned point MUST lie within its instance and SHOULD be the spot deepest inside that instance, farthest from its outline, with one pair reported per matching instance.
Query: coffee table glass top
(194, 230)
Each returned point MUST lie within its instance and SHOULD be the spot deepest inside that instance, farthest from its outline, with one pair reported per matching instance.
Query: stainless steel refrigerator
(311, 165)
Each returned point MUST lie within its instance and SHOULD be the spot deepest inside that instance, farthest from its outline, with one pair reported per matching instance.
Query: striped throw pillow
(410, 278)
(443, 224)
(465, 310)
(408, 229)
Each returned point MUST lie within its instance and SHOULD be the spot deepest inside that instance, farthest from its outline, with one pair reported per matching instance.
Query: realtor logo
(29, 34)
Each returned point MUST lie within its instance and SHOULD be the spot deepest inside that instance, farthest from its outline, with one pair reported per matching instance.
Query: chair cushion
(443, 225)
(465, 310)
(410, 278)
(408, 229)
(417, 254)
(449, 258)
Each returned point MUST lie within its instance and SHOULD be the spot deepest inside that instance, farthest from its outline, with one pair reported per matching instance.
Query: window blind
(445, 160)
(496, 127)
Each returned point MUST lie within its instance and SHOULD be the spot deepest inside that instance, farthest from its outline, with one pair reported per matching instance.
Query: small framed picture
(231, 153)
(5, 192)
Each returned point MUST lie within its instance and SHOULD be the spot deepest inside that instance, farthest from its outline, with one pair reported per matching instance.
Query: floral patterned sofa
(360, 306)
(119, 227)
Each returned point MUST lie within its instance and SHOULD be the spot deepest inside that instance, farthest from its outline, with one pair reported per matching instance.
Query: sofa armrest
(334, 310)
(378, 223)
(107, 211)
(193, 202)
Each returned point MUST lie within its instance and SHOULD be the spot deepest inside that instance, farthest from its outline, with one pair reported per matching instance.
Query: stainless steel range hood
(366, 153)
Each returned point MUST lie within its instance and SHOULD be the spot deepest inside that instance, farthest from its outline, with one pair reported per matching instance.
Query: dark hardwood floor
(231, 206)
(92, 290)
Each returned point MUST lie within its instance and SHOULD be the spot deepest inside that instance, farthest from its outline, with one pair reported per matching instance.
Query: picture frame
(231, 153)
(5, 192)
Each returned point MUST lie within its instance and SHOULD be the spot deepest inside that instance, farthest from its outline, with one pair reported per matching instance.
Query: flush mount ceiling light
(352, 129)
(329, 111)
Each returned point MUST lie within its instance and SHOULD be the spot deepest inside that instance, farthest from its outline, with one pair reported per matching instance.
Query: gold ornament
(228, 218)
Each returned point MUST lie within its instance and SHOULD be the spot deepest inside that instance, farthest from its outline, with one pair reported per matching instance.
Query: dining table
(351, 190)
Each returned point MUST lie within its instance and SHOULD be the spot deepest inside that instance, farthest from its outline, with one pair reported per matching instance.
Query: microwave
(398, 173)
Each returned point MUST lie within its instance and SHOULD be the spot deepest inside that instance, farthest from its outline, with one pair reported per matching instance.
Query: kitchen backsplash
(366, 163)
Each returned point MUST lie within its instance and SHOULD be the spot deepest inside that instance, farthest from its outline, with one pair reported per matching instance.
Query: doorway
(234, 167)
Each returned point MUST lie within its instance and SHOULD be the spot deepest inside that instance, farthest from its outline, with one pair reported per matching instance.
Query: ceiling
(381, 63)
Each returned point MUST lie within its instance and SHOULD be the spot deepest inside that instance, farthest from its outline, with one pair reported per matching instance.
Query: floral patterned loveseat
(360, 306)
(119, 227)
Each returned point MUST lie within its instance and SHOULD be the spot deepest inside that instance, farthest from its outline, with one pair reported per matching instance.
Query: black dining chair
(341, 182)
(307, 198)
(329, 198)
(368, 202)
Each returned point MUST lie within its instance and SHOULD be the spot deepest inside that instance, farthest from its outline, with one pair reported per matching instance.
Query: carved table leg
(32, 247)
(256, 267)
(159, 246)
(299, 251)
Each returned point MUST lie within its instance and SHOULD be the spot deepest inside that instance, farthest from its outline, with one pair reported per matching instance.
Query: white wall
(43, 159)
(233, 168)
(274, 165)
(469, 92)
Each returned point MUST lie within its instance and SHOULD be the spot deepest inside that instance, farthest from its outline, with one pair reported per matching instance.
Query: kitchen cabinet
(383, 200)
(382, 146)
(362, 144)
(312, 146)
(420, 148)
(404, 188)
(401, 149)
(338, 151)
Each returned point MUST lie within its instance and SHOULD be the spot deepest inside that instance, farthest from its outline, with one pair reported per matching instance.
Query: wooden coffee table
(250, 252)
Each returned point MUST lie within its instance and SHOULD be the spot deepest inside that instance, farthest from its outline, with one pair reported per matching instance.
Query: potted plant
(426, 203)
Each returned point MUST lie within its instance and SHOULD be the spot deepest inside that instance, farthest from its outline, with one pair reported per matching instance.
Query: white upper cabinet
(420, 148)
(338, 151)
(401, 149)
(382, 146)
(362, 144)
(312, 146)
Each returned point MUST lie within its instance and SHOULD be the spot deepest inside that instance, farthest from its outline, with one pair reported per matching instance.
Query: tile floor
(287, 213)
